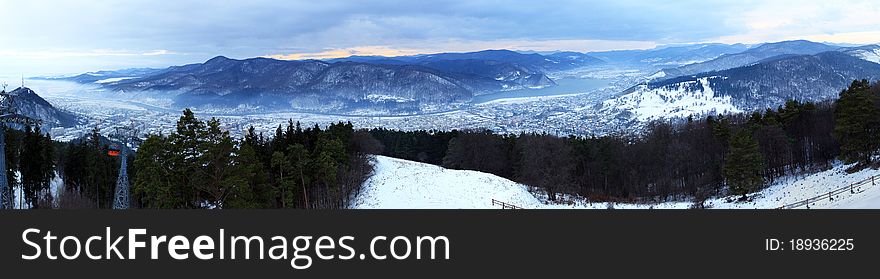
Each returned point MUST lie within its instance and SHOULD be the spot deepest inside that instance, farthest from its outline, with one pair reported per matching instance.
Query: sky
(44, 37)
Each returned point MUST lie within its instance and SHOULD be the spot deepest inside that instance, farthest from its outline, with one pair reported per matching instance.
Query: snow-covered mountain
(28, 103)
(500, 71)
(402, 184)
(342, 85)
(669, 56)
(762, 85)
(522, 69)
(747, 57)
(530, 62)
(100, 77)
(308, 84)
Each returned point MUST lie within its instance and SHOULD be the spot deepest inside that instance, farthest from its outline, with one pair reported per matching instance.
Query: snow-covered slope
(399, 184)
(28, 103)
(405, 184)
(868, 53)
(797, 188)
(674, 101)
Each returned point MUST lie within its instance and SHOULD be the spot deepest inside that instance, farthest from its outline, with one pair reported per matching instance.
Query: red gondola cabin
(114, 149)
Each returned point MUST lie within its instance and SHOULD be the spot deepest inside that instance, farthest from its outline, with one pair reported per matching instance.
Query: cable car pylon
(128, 138)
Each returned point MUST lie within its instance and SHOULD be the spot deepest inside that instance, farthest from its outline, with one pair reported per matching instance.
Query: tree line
(201, 166)
(691, 159)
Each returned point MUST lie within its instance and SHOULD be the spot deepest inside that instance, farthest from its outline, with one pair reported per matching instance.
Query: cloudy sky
(55, 37)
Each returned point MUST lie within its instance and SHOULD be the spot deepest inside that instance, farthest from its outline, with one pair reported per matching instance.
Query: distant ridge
(30, 104)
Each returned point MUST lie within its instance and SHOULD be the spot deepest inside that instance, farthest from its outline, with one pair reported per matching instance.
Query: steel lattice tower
(120, 197)
(5, 195)
(128, 137)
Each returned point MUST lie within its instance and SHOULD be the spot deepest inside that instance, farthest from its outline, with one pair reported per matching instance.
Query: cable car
(114, 149)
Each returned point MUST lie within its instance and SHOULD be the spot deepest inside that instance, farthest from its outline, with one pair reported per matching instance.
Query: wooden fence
(853, 188)
(504, 205)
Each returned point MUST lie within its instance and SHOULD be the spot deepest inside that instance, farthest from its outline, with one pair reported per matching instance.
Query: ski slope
(402, 184)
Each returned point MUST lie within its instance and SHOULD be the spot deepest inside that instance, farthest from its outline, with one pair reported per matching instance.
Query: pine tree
(721, 128)
(254, 192)
(857, 123)
(300, 160)
(100, 174)
(153, 181)
(283, 170)
(186, 159)
(329, 156)
(217, 164)
(37, 165)
(743, 164)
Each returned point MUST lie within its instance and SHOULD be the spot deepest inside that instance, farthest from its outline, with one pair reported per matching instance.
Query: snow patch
(658, 74)
(872, 55)
(110, 80)
(384, 98)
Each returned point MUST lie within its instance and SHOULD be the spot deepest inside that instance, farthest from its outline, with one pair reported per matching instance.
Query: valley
(576, 94)
(525, 110)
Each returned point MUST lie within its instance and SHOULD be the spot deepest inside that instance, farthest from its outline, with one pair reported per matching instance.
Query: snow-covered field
(401, 184)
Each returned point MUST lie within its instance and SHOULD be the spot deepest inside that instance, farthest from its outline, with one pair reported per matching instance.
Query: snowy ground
(798, 188)
(18, 202)
(401, 184)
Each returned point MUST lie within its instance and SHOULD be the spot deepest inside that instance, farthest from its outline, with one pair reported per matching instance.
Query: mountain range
(765, 84)
(393, 84)
(749, 56)
(671, 56)
(689, 79)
